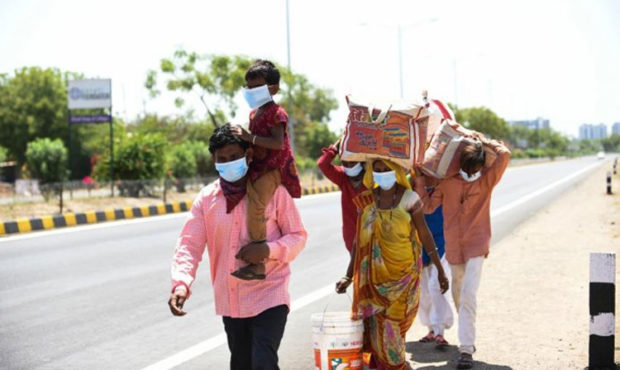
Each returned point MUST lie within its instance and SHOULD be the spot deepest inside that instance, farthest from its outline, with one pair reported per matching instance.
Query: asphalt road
(94, 297)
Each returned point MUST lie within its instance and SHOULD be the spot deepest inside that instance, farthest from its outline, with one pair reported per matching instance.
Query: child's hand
(242, 133)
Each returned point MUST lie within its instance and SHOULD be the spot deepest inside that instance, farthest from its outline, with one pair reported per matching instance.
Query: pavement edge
(25, 225)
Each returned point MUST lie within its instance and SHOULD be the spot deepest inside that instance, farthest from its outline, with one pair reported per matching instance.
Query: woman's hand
(241, 133)
(444, 284)
(343, 284)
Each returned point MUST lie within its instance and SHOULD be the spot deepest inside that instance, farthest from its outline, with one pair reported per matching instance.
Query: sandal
(466, 361)
(246, 273)
(441, 342)
(430, 337)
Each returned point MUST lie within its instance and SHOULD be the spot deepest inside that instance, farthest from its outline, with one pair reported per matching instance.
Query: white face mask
(385, 180)
(232, 171)
(353, 171)
(257, 96)
(470, 178)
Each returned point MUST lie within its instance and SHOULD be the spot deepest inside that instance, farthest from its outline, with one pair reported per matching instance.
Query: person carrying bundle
(348, 177)
(387, 262)
(466, 200)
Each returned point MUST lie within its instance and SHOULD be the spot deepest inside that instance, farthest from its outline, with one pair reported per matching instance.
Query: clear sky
(523, 59)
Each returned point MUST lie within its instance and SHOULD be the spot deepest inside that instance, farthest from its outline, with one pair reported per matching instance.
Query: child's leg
(259, 194)
(255, 271)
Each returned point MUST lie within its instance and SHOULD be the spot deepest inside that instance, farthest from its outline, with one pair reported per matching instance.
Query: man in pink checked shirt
(254, 312)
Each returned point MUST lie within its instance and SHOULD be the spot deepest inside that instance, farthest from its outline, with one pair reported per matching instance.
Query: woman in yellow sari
(386, 262)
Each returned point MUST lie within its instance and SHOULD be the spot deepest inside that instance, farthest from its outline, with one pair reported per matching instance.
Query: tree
(4, 154)
(612, 143)
(136, 158)
(34, 105)
(47, 162)
(309, 107)
(483, 120)
(202, 157)
(553, 142)
(183, 165)
(216, 80)
(316, 137)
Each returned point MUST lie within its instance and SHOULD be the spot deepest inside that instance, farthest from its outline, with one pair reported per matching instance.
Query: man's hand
(444, 284)
(176, 301)
(242, 133)
(254, 253)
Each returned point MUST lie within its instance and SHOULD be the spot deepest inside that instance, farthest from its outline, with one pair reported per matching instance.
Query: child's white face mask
(470, 178)
(257, 96)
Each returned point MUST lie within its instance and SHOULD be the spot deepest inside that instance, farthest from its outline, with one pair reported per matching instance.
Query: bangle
(347, 278)
(434, 251)
(254, 140)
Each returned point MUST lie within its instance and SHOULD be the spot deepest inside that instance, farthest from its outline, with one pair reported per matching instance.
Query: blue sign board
(97, 118)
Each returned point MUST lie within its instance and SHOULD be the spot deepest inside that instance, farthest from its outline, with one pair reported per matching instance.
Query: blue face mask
(353, 171)
(385, 180)
(257, 96)
(232, 171)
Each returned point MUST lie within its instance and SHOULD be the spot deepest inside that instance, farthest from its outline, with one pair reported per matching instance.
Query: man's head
(263, 72)
(228, 151)
(472, 157)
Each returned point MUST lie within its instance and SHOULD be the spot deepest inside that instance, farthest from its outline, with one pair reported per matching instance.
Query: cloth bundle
(442, 158)
(395, 131)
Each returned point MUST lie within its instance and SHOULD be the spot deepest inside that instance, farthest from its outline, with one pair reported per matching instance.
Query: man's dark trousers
(254, 341)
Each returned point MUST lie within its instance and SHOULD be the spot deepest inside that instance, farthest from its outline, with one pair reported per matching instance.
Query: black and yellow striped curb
(24, 225)
(319, 189)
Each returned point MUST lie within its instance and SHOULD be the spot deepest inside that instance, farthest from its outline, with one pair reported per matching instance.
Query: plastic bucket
(337, 341)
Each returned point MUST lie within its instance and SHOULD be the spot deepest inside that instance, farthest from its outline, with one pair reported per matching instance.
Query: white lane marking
(121, 223)
(220, 339)
(530, 196)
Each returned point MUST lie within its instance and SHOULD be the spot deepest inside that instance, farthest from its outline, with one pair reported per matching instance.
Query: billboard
(90, 94)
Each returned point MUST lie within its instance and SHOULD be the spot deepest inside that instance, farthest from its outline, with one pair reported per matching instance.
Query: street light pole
(400, 58)
(400, 49)
(291, 131)
(456, 100)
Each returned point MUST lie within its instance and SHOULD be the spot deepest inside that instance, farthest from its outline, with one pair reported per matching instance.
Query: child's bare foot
(250, 272)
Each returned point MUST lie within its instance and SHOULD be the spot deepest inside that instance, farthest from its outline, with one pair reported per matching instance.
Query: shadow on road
(425, 353)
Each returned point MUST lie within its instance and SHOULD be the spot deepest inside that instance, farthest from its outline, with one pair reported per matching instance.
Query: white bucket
(337, 341)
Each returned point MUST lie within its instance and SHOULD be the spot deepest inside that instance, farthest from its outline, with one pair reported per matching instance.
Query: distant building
(536, 124)
(615, 129)
(592, 132)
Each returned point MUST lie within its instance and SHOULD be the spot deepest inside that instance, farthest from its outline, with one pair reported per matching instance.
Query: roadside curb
(25, 225)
